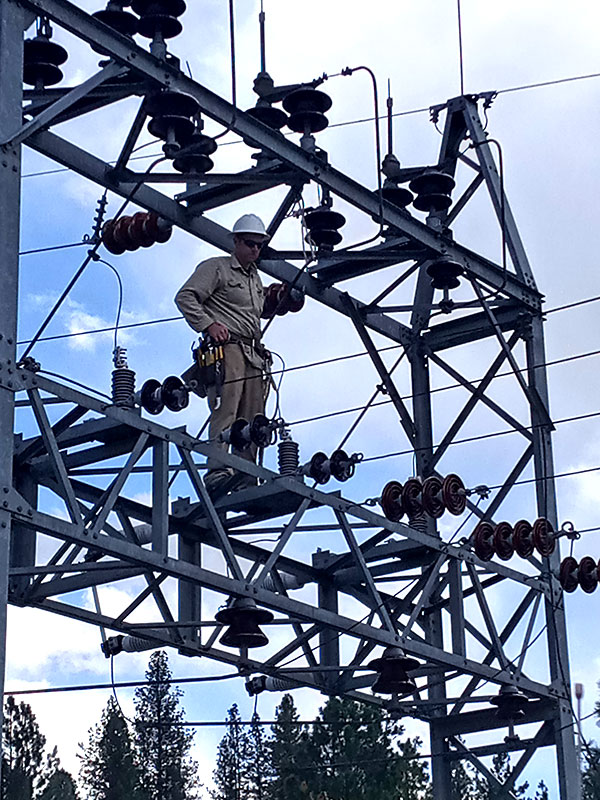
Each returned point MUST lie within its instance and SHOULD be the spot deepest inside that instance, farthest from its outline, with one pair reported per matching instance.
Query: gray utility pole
(446, 650)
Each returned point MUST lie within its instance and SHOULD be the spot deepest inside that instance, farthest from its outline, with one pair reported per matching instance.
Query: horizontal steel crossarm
(486, 719)
(100, 172)
(49, 115)
(75, 583)
(85, 27)
(472, 328)
(60, 528)
(183, 440)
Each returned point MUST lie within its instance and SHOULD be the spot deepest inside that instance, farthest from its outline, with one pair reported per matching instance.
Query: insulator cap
(306, 108)
(444, 273)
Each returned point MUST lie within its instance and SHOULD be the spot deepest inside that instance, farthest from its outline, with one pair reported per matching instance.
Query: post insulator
(503, 541)
(393, 668)
(323, 224)
(433, 189)
(159, 17)
(243, 619)
(115, 16)
(483, 541)
(395, 194)
(444, 273)
(195, 155)
(391, 501)
(143, 229)
(41, 60)
(587, 576)
(270, 116)
(510, 703)
(569, 574)
(171, 121)
(523, 538)
(543, 537)
(306, 107)
(123, 387)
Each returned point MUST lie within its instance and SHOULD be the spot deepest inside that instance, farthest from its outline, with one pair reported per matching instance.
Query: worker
(223, 299)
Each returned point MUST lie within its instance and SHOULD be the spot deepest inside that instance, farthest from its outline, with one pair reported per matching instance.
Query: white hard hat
(250, 223)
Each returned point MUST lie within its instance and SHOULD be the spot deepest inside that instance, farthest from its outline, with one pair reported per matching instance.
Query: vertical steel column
(440, 766)
(566, 752)
(12, 23)
(190, 594)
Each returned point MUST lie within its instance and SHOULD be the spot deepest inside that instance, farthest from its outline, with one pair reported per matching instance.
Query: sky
(551, 173)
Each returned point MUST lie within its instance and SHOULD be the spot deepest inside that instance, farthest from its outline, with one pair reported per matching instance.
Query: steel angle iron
(393, 668)
(243, 619)
(42, 58)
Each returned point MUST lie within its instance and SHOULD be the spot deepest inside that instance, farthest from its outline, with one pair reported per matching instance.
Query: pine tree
(233, 754)
(356, 755)
(259, 772)
(60, 786)
(591, 774)
(288, 752)
(501, 769)
(162, 742)
(23, 758)
(108, 768)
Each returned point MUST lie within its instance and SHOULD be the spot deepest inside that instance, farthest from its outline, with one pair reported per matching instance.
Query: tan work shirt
(221, 290)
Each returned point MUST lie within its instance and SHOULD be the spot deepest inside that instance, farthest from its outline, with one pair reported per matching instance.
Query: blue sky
(548, 136)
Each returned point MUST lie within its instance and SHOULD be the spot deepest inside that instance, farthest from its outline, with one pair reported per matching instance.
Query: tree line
(351, 751)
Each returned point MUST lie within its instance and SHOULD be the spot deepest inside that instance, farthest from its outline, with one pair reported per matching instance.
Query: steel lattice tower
(445, 619)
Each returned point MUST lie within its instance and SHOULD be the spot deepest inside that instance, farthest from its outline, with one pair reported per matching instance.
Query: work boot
(215, 481)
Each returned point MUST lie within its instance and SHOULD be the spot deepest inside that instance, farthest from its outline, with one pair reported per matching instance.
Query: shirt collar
(236, 265)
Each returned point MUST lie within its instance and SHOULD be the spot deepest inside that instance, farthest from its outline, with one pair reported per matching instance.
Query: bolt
(4, 525)
(5, 489)
(9, 340)
(5, 504)
(167, 436)
(19, 509)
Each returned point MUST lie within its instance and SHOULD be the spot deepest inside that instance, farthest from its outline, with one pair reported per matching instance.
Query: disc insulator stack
(306, 107)
(159, 17)
(194, 157)
(130, 233)
(323, 227)
(115, 16)
(172, 121)
(42, 59)
(433, 191)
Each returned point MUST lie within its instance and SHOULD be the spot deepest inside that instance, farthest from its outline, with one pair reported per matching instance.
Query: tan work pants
(243, 395)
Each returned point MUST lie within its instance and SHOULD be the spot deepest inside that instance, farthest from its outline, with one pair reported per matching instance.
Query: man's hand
(218, 332)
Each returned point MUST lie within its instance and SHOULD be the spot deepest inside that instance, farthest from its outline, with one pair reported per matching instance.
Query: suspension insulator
(244, 618)
(391, 501)
(454, 495)
(587, 576)
(129, 233)
(280, 299)
(569, 574)
(171, 112)
(150, 398)
(342, 465)
(270, 116)
(175, 394)
(41, 60)
(412, 494)
(261, 431)
(323, 224)
(306, 108)
(433, 191)
(318, 468)
(543, 537)
(123, 387)
(393, 668)
(159, 17)
(444, 273)
(503, 541)
(395, 194)
(523, 538)
(288, 457)
(483, 541)
(433, 504)
(115, 16)
(238, 434)
(195, 156)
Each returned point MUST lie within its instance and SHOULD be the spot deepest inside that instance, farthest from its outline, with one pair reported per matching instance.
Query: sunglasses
(250, 243)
